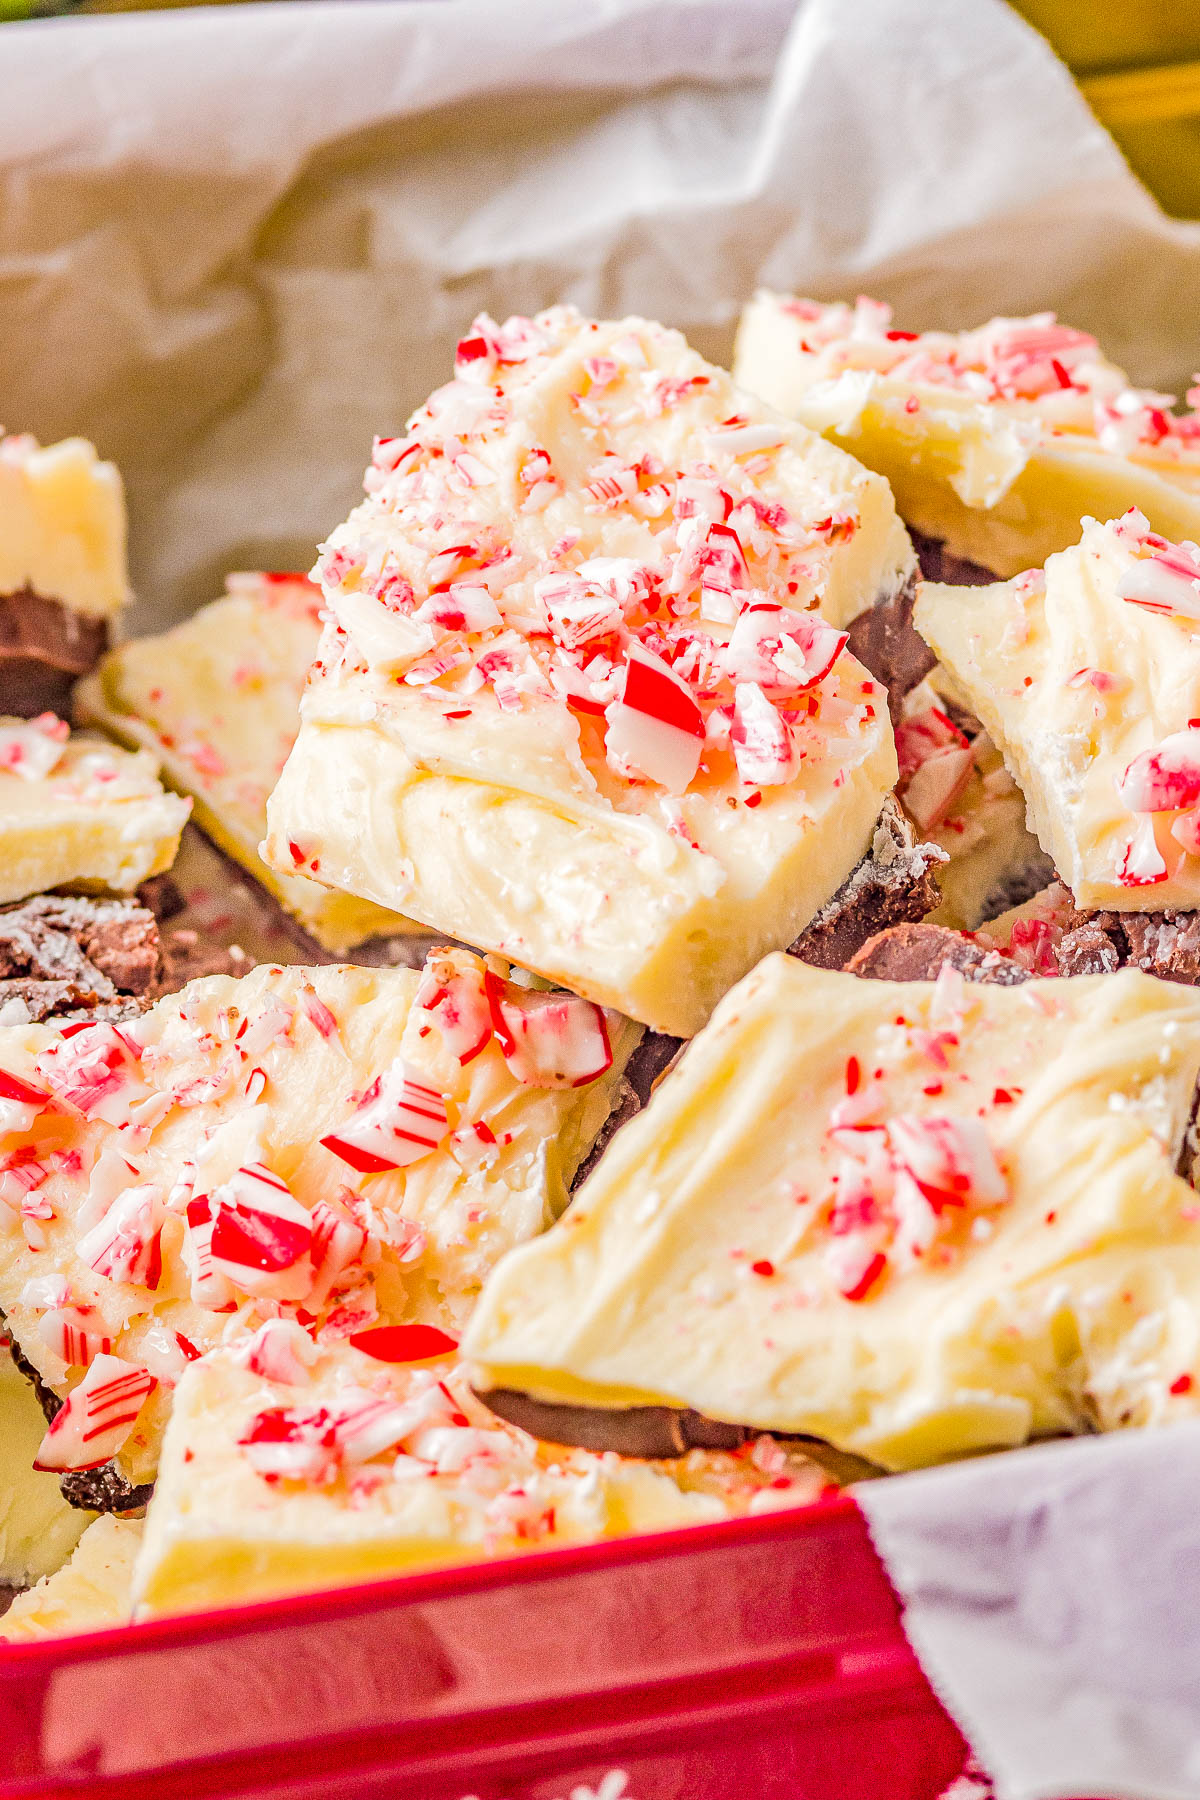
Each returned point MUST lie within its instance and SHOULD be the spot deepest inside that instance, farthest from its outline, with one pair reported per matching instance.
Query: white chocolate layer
(62, 525)
(456, 1486)
(1073, 682)
(254, 1073)
(579, 497)
(93, 1590)
(97, 818)
(217, 700)
(712, 1261)
(983, 445)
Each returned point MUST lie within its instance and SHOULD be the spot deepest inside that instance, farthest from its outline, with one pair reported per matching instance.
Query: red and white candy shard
(934, 787)
(97, 1417)
(210, 1286)
(259, 1228)
(337, 1246)
(951, 1160)
(399, 1120)
(455, 999)
(1168, 581)
(783, 651)
(1142, 863)
(32, 749)
(95, 1071)
(762, 743)
(655, 728)
(1165, 779)
(77, 1334)
(124, 1245)
(549, 1040)
(20, 1102)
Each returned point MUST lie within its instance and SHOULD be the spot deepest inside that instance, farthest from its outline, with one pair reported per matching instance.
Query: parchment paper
(1053, 1597)
(235, 243)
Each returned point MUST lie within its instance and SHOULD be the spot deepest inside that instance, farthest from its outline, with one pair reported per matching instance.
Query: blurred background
(1136, 61)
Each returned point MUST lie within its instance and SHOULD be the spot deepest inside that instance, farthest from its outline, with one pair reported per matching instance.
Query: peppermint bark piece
(341, 1467)
(580, 700)
(339, 1146)
(910, 1219)
(216, 700)
(995, 441)
(1087, 677)
(63, 577)
(92, 1590)
(76, 810)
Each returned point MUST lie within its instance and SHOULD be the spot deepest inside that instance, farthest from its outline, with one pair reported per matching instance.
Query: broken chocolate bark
(920, 952)
(939, 564)
(61, 954)
(893, 883)
(44, 649)
(885, 641)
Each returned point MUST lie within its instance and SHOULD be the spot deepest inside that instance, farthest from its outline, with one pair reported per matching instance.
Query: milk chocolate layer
(652, 1058)
(942, 565)
(893, 883)
(44, 649)
(921, 952)
(652, 1433)
(885, 640)
(61, 954)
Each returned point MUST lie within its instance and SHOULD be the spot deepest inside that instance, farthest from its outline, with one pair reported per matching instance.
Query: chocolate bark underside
(649, 1062)
(93, 1490)
(892, 884)
(63, 954)
(653, 1433)
(44, 648)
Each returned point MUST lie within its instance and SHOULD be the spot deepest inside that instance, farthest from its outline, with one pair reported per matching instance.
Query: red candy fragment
(404, 1343)
(399, 1120)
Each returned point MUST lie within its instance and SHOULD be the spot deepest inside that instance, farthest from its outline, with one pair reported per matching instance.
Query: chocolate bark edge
(653, 1433)
(92, 1490)
(645, 1068)
(937, 563)
(919, 952)
(893, 884)
(885, 641)
(44, 648)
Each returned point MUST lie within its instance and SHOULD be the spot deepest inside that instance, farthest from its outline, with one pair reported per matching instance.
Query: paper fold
(1053, 1597)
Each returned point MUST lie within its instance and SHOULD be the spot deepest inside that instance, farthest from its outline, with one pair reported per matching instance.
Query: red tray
(759, 1659)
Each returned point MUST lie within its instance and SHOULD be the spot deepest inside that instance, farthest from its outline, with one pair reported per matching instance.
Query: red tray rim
(835, 1509)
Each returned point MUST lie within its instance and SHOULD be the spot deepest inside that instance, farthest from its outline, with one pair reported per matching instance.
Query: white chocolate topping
(62, 525)
(996, 440)
(580, 699)
(911, 1219)
(76, 810)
